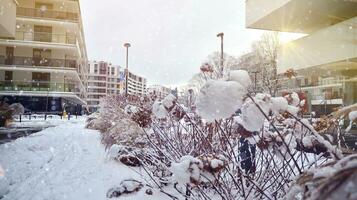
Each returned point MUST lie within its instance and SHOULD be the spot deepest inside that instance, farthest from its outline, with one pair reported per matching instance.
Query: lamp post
(255, 80)
(221, 63)
(126, 45)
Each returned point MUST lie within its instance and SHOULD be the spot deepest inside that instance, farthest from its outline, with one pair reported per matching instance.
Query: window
(8, 76)
(96, 68)
(41, 57)
(113, 70)
(43, 33)
(41, 80)
(102, 68)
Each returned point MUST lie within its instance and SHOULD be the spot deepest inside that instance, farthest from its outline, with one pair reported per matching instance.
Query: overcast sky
(170, 38)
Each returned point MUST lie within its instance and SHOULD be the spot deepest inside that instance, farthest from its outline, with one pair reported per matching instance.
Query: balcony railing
(49, 14)
(326, 96)
(36, 86)
(46, 37)
(38, 61)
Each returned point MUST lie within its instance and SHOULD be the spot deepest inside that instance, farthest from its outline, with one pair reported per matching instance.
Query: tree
(266, 50)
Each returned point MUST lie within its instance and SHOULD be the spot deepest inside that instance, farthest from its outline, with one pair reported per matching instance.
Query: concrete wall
(329, 45)
(7, 18)
(257, 9)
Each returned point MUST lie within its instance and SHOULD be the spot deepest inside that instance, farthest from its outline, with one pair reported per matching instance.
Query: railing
(36, 86)
(292, 84)
(46, 37)
(49, 14)
(38, 61)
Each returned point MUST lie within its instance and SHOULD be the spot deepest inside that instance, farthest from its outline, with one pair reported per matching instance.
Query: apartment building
(103, 79)
(43, 58)
(136, 85)
(326, 58)
(159, 91)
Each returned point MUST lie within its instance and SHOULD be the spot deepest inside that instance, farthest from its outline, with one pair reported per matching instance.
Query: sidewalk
(62, 162)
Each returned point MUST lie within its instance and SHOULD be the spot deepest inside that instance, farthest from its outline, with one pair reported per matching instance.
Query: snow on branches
(237, 145)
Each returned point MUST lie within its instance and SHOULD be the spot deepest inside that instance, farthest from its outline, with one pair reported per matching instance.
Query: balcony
(46, 37)
(46, 14)
(33, 61)
(301, 16)
(35, 86)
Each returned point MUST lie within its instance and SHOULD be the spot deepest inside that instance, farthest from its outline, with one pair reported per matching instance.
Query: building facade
(103, 79)
(43, 58)
(159, 91)
(326, 58)
(107, 79)
(136, 85)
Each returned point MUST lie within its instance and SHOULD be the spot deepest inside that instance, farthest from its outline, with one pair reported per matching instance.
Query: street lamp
(255, 80)
(127, 45)
(221, 63)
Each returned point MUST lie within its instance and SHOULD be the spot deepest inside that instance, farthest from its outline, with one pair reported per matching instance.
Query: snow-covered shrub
(162, 108)
(190, 147)
(119, 122)
(125, 132)
(125, 187)
(333, 180)
(7, 112)
(213, 155)
(93, 121)
(17, 109)
(142, 117)
(125, 154)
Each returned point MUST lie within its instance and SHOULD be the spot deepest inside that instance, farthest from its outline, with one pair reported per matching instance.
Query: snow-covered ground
(62, 162)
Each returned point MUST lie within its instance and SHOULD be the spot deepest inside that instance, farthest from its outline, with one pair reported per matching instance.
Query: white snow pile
(161, 109)
(125, 187)
(252, 119)
(308, 141)
(219, 99)
(169, 101)
(279, 104)
(352, 116)
(240, 76)
(187, 171)
(4, 183)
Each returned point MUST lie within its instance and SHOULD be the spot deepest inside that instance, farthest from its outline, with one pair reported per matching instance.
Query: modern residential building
(43, 58)
(159, 91)
(326, 58)
(103, 79)
(106, 79)
(136, 84)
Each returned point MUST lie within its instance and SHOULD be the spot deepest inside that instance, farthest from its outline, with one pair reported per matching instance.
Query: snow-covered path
(62, 162)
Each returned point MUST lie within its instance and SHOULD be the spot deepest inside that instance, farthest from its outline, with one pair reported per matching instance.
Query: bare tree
(266, 50)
